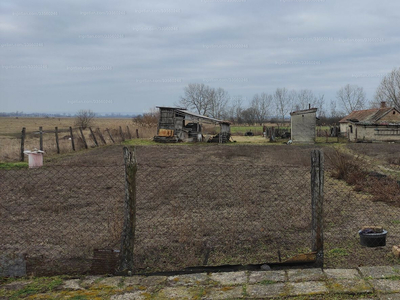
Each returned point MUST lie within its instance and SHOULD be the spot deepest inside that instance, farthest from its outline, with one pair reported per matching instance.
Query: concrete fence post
(128, 232)
(317, 200)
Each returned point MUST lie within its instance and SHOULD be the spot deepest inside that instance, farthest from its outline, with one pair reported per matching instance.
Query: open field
(10, 134)
(196, 205)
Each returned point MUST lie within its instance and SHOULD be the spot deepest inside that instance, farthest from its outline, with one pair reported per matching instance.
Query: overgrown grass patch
(37, 286)
(16, 165)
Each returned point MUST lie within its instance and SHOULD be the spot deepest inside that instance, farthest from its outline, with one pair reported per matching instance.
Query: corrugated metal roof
(184, 111)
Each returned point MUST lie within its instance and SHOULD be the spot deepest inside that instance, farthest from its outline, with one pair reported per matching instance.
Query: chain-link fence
(362, 211)
(188, 212)
(210, 215)
(58, 219)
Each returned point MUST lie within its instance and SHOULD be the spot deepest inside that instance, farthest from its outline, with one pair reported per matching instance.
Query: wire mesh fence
(69, 219)
(207, 215)
(362, 212)
(57, 216)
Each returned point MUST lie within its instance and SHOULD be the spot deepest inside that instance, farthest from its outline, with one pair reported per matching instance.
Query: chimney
(383, 104)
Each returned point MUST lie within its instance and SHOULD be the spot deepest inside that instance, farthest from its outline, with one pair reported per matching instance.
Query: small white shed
(303, 124)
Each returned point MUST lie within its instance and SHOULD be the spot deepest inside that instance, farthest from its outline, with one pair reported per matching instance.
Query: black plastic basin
(373, 239)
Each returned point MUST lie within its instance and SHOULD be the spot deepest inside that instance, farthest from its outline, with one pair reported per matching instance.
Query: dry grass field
(196, 205)
(10, 134)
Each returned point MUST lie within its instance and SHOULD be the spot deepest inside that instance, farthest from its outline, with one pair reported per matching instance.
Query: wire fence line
(74, 219)
(56, 216)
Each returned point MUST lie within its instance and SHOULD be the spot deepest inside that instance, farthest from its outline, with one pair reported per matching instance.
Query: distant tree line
(275, 107)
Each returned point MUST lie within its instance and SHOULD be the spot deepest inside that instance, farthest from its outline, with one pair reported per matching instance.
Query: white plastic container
(35, 158)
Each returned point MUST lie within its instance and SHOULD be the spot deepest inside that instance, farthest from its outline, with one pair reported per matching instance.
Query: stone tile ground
(361, 283)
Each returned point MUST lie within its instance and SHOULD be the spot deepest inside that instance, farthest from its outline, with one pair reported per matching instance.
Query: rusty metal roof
(367, 116)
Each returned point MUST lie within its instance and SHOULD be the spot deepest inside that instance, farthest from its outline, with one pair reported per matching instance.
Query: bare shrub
(354, 171)
(84, 118)
(149, 119)
(345, 166)
(384, 189)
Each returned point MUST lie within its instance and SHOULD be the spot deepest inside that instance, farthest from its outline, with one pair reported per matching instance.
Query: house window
(387, 131)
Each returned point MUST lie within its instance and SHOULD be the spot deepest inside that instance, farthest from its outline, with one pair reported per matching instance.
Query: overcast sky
(129, 56)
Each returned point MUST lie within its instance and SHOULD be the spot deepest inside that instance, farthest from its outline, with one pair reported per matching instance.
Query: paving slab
(231, 278)
(179, 293)
(306, 288)
(138, 295)
(342, 274)
(386, 285)
(306, 275)
(72, 284)
(378, 272)
(89, 280)
(231, 292)
(133, 280)
(262, 291)
(188, 280)
(110, 281)
(390, 297)
(350, 286)
(266, 276)
(153, 280)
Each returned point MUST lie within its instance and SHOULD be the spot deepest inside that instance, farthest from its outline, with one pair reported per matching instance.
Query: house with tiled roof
(372, 125)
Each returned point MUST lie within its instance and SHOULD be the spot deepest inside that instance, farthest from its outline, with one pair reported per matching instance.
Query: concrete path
(361, 283)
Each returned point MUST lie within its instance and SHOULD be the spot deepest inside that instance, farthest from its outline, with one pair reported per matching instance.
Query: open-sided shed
(178, 124)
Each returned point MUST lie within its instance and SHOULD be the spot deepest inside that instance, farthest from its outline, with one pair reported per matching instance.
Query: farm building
(376, 124)
(178, 124)
(303, 124)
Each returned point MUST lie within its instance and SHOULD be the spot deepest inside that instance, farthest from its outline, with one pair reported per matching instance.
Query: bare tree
(249, 115)
(262, 107)
(389, 89)
(351, 97)
(218, 100)
(234, 111)
(334, 112)
(84, 118)
(283, 99)
(196, 97)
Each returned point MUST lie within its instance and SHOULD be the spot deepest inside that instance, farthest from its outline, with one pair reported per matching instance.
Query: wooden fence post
(137, 133)
(57, 144)
(121, 133)
(317, 200)
(22, 144)
(101, 136)
(128, 232)
(41, 138)
(129, 132)
(83, 138)
(72, 138)
(93, 137)
(108, 130)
